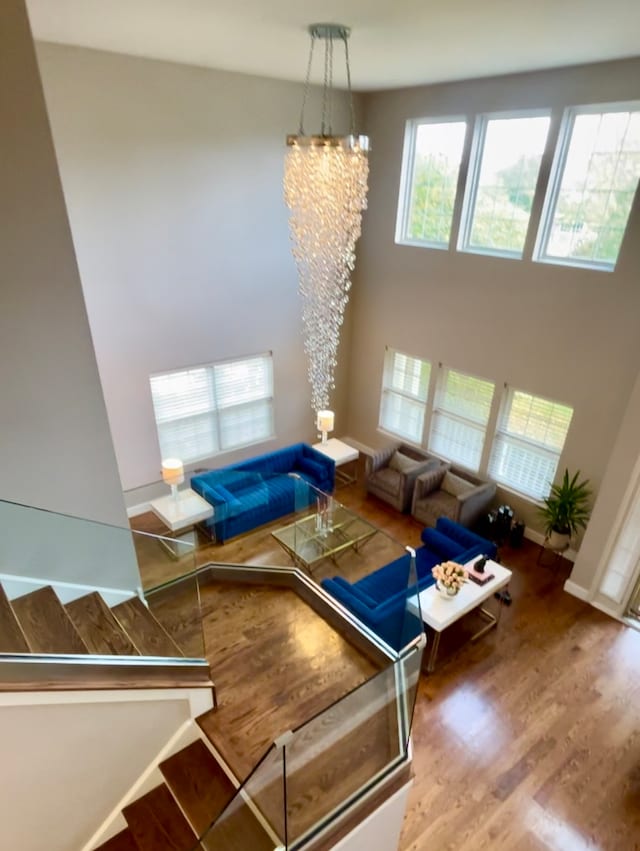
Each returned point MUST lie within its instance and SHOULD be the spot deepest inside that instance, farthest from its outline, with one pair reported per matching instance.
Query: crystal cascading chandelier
(325, 189)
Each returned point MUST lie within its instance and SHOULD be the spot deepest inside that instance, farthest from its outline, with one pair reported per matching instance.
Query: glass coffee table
(324, 535)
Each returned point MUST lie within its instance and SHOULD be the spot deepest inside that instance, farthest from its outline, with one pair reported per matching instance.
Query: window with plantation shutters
(405, 386)
(460, 416)
(204, 410)
(529, 440)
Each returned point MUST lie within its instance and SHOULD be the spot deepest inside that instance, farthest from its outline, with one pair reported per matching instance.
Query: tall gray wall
(173, 178)
(55, 446)
(569, 334)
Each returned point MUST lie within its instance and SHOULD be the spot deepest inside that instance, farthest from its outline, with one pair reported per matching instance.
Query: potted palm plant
(565, 510)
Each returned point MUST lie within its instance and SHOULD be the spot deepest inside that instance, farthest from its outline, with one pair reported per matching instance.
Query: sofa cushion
(402, 463)
(438, 504)
(387, 480)
(454, 485)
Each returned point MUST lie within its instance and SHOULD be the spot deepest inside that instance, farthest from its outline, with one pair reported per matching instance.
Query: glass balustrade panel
(255, 817)
(336, 756)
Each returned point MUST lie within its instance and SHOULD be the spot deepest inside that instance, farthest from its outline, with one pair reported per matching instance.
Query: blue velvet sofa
(379, 599)
(258, 490)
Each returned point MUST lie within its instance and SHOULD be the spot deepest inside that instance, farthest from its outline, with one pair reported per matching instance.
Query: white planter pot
(557, 541)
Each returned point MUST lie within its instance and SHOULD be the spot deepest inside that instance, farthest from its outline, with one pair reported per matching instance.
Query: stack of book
(477, 576)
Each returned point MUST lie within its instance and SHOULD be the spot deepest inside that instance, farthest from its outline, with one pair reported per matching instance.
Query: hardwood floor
(526, 739)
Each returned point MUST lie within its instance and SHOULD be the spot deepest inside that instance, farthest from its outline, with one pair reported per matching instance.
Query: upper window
(460, 416)
(529, 439)
(502, 181)
(432, 155)
(405, 386)
(209, 409)
(595, 176)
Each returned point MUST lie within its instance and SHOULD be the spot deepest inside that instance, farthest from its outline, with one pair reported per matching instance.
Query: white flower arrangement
(450, 575)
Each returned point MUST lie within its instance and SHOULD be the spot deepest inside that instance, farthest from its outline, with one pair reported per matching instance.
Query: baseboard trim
(538, 538)
(141, 508)
(577, 591)
(602, 607)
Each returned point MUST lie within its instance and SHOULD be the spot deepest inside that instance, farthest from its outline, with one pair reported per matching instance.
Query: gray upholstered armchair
(451, 493)
(391, 473)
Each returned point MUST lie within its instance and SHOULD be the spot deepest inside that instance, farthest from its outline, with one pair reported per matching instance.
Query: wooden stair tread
(98, 627)
(157, 824)
(12, 638)
(45, 623)
(238, 828)
(122, 841)
(143, 629)
(198, 783)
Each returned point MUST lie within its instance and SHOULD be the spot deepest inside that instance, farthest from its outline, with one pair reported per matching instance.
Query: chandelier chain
(326, 88)
(307, 85)
(345, 38)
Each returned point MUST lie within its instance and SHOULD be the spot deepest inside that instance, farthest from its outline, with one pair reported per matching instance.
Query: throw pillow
(402, 463)
(454, 485)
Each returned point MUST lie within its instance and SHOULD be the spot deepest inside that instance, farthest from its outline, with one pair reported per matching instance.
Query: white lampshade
(325, 420)
(172, 471)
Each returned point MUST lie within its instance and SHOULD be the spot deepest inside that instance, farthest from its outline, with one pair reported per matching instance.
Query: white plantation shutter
(405, 386)
(460, 417)
(207, 409)
(529, 439)
(244, 393)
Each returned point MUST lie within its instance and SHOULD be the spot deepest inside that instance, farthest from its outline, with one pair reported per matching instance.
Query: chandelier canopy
(325, 188)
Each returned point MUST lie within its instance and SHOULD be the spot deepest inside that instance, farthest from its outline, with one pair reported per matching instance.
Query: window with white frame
(594, 179)
(505, 161)
(203, 410)
(405, 387)
(529, 439)
(432, 156)
(460, 416)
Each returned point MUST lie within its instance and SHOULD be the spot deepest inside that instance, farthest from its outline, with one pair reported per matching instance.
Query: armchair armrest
(429, 481)
(474, 502)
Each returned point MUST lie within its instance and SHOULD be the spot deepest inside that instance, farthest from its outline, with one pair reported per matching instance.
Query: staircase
(39, 623)
(195, 789)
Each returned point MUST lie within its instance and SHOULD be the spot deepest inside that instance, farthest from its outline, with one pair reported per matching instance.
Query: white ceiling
(394, 42)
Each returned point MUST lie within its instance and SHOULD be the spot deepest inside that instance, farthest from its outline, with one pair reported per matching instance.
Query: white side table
(181, 514)
(342, 454)
(439, 614)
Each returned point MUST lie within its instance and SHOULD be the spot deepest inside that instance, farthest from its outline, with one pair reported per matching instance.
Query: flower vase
(446, 593)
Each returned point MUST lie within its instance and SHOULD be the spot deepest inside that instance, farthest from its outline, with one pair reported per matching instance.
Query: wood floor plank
(157, 824)
(12, 638)
(122, 841)
(98, 627)
(293, 665)
(46, 624)
(198, 783)
(149, 637)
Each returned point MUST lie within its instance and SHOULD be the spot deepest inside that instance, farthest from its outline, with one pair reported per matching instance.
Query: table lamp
(325, 423)
(173, 474)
